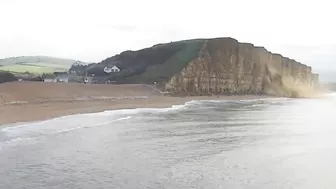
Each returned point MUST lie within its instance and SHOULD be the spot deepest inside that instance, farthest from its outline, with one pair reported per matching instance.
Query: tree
(7, 77)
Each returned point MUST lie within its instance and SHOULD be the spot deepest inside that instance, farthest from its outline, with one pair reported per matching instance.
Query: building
(49, 80)
(57, 77)
(79, 70)
(61, 77)
(111, 69)
(88, 80)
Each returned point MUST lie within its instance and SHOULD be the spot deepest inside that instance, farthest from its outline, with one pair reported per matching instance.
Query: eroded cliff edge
(225, 66)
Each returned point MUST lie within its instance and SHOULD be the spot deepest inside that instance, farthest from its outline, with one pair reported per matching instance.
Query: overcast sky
(92, 30)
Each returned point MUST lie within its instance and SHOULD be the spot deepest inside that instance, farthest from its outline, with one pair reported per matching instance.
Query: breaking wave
(70, 123)
(122, 114)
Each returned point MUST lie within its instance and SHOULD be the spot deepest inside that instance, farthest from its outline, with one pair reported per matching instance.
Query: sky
(92, 30)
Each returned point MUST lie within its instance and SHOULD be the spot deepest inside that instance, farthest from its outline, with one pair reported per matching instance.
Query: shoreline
(13, 114)
(24, 102)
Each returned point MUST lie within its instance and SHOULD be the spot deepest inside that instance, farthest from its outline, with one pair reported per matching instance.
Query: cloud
(92, 30)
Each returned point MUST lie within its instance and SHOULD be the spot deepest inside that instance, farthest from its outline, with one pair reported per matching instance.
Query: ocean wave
(121, 113)
(9, 128)
(20, 125)
(140, 110)
(266, 99)
(198, 102)
(94, 125)
(32, 135)
(18, 139)
(173, 108)
(14, 141)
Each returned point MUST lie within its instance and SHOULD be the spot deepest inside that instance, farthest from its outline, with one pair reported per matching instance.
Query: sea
(272, 143)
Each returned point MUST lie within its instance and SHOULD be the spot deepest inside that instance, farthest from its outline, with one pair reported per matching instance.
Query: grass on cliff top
(34, 69)
(162, 71)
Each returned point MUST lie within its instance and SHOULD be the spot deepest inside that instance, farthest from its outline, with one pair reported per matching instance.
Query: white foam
(214, 101)
(331, 94)
(12, 128)
(196, 102)
(140, 110)
(173, 108)
(266, 99)
(13, 141)
(124, 118)
(109, 122)
(68, 130)
(18, 139)
(94, 125)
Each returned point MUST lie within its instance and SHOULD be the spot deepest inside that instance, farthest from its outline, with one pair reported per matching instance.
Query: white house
(49, 80)
(63, 79)
(111, 69)
(115, 69)
(88, 80)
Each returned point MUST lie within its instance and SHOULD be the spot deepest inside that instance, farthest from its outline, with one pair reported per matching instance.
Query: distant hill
(35, 64)
(327, 76)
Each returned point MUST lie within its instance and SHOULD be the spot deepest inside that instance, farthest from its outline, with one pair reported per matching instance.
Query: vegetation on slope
(6, 77)
(156, 64)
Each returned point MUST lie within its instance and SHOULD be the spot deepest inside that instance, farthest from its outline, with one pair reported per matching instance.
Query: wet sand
(30, 101)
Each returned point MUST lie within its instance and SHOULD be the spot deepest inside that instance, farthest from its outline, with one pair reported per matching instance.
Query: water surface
(262, 144)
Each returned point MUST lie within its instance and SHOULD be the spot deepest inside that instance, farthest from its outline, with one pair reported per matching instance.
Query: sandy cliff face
(225, 66)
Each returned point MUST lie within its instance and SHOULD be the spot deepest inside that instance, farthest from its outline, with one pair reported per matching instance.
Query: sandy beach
(30, 101)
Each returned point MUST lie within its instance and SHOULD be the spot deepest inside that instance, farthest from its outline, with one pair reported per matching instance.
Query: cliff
(213, 66)
(225, 66)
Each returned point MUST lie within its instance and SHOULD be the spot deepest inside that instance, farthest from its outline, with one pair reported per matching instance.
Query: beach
(34, 101)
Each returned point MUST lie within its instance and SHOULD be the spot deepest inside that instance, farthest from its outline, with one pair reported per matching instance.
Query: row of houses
(56, 77)
(78, 74)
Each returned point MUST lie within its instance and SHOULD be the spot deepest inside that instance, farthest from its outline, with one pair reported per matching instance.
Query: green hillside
(163, 71)
(35, 64)
(154, 64)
